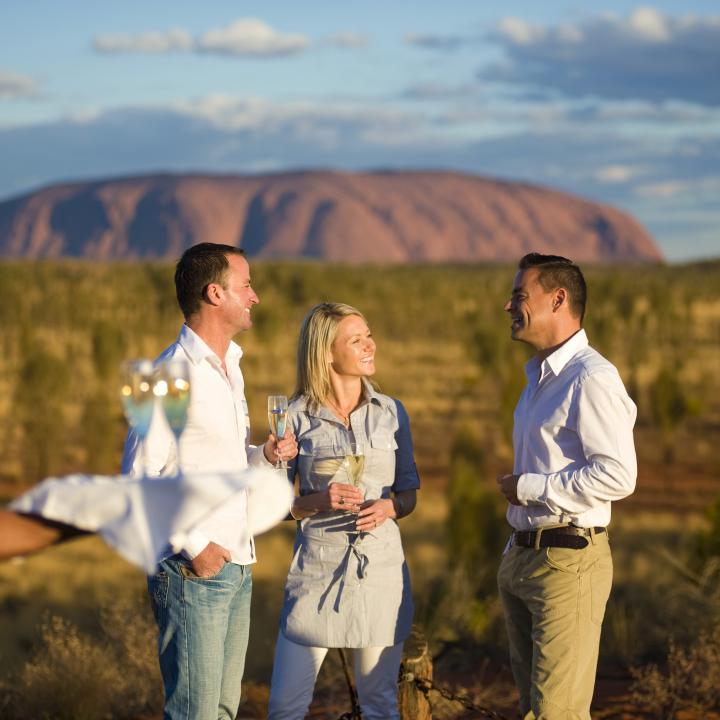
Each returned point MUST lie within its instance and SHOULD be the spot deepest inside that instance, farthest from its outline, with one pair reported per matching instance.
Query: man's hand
(508, 487)
(284, 449)
(210, 561)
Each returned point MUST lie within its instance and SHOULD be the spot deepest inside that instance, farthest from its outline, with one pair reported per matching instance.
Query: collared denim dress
(346, 589)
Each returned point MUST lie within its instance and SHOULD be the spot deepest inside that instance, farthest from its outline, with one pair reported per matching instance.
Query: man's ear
(213, 294)
(560, 298)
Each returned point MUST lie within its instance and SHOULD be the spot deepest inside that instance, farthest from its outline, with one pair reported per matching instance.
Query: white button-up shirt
(216, 439)
(573, 439)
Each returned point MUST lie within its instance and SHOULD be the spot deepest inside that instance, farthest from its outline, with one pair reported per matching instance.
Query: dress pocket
(383, 441)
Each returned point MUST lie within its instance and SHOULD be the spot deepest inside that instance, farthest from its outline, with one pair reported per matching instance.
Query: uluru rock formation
(380, 217)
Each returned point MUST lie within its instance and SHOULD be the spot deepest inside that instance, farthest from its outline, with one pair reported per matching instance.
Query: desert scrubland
(77, 634)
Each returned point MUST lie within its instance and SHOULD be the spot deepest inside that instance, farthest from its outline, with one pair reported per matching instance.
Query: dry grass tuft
(73, 676)
(254, 703)
(690, 680)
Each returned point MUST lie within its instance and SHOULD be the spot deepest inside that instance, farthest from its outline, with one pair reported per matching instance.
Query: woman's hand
(341, 496)
(338, 496)
(374, 513)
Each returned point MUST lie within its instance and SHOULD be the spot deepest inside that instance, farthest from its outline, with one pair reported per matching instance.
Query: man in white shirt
(201, 595)
(574, 455)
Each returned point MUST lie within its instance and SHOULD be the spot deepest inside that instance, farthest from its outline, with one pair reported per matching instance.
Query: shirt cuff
(531, 488)
(256, 457)
(193, 544)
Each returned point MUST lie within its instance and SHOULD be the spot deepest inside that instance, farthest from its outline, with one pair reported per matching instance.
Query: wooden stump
(416, 664)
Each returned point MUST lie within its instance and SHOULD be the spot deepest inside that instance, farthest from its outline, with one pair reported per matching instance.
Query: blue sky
(620, 105)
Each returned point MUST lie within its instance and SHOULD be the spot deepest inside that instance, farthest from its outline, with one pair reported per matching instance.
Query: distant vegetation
(444, 348)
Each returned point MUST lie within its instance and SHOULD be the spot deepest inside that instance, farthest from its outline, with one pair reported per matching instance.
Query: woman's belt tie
(341, 572)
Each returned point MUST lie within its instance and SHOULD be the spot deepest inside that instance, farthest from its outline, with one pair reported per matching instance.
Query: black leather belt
(567, 536)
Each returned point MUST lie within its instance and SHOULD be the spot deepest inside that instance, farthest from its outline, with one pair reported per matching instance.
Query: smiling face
(238, 295)
(352, 353)
(531, 309)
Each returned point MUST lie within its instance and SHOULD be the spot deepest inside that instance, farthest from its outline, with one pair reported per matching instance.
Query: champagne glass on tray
(137, 380)
(172, 386)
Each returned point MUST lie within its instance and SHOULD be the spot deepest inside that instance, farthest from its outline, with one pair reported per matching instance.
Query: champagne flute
(354, 463)
(136, 392)
(277, 420)
(172, 386)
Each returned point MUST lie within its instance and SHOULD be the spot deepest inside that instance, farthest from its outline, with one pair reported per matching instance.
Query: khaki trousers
(554, 601)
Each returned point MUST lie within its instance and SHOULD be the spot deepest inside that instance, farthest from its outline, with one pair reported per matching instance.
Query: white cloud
(645, 56)
(251, 37)
(649, 24)
(519, 31)
(246, 37)
(440, 91)
(346, 39)
(616, 173)
(14, 86)
(570, 34)
(173, 40)
(439, 41)
(696, 188)
(317, 122)
(660, 189)
(675, 113)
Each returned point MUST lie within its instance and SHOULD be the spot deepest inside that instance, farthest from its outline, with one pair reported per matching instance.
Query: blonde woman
(348, 585)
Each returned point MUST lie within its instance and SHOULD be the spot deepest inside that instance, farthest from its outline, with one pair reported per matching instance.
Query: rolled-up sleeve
(406, 474)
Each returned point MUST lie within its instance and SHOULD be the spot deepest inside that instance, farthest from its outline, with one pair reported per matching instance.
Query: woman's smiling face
(353, 350)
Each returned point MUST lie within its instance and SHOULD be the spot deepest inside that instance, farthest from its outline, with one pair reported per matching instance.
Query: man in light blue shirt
(574, 455)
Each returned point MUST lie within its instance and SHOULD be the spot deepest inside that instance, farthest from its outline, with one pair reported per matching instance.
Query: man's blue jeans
(203, 634)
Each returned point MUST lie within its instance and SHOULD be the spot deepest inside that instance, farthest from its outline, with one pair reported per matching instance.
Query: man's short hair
(200, 266)
(555, 272)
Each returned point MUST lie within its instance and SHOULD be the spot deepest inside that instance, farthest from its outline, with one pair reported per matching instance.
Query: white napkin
(139, 516)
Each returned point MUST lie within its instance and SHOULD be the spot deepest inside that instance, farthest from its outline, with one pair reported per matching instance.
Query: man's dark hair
(200, 266)
(555, 272)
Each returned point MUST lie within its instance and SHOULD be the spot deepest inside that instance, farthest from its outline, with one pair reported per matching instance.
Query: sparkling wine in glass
(136, 391)
(277, 420)
(172, 386)
(354, 463)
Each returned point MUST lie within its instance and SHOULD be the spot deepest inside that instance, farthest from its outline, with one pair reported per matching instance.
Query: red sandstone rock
(385, 217)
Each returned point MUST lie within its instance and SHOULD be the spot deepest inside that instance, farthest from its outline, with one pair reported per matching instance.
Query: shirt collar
(198, 350)
(370, 395)
(557, 360)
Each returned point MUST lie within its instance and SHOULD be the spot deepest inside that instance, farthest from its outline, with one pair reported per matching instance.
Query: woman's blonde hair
(317, 335)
